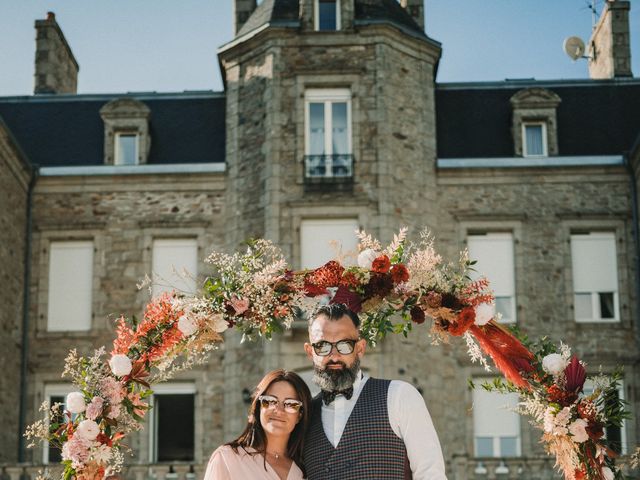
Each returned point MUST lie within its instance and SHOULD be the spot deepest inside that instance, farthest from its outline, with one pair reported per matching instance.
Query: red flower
(349, 280)
(379, 284)
(417, 314)
(104, 439)
(465, 319)
(399, 273)
(595, 430)
(382, 264)
(576, 375)
(350, 299)
(559, 395)
(587, 410)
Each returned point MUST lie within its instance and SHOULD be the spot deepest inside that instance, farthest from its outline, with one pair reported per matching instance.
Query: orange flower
(399, 273)
(382, 264)
(465, 319)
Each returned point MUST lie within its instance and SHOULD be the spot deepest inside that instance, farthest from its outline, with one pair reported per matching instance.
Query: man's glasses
(324, 348)
(268, 402)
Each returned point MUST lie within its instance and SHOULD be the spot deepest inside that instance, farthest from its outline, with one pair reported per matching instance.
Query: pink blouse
(225, 464)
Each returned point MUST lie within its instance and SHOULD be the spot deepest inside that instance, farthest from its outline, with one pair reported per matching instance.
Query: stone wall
(14, 184)
(542, 208)
(123, 214)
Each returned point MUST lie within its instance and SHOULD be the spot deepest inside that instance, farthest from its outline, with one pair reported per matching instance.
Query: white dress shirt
(409, 420)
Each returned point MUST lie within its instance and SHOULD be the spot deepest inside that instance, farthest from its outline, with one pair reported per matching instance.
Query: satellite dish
(574, 47)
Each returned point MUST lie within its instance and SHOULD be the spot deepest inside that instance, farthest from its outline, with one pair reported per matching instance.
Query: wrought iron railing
(328, 166)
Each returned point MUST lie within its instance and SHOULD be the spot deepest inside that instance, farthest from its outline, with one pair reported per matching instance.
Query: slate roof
(594, 118)
(287, 13)
(67, 130)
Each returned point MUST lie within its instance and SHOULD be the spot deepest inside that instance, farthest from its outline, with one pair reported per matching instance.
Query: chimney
(610, 45)
(415, 8)
(56, 67)
(242, 10)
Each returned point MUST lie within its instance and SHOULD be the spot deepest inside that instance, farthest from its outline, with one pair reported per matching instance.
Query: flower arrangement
(573, 422)
(112, 396)
(391, 289)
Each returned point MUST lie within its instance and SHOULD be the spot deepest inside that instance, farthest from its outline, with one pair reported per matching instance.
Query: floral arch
(394, 289)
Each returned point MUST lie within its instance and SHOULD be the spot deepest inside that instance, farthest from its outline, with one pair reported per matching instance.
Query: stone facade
(263, 193)
(122, 215)
(15, 178)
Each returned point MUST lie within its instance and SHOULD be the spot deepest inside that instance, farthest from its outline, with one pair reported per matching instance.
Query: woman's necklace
(275, 455)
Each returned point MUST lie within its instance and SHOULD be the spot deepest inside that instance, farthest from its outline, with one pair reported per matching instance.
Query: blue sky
(170, 45)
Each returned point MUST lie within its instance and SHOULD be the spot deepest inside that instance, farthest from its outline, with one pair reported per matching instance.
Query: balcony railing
(328, 166)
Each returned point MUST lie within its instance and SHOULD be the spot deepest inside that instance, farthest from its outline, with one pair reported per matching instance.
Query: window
(534, 139)
(617, 436)
(595, 277)
(495, 260)
(327, 15)
(55, 393)
(175, 265)
(70, 286)
(316, 237)
(496, 427)
(328, 133)
(126, 149)
(172, 423)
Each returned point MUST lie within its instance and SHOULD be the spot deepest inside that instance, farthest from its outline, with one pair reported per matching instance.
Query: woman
(270, 447)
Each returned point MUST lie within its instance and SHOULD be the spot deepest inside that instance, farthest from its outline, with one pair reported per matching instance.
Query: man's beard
(333, 380)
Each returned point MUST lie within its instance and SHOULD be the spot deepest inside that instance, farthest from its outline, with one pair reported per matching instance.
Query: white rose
(88, 429)
(484, 313)
(578, 430)
(218, 323)
(554, 364)
(607, 473)
(188, 326)
(366, 258)
(120, 365)
(75, 402)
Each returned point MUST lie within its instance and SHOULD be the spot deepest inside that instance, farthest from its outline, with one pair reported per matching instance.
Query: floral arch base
(393, 289)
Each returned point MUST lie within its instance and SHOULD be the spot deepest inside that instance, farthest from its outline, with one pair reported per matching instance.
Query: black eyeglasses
(324, 348)
(268, 402)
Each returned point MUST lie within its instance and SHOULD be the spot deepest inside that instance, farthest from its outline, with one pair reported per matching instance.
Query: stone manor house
(331, 118)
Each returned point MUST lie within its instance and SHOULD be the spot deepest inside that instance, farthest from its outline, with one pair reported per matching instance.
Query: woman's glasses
(268, 402)
(323, 348)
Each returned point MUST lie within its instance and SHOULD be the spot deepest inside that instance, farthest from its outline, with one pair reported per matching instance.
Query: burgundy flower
(451, 301)
(434, 299)
(379, 285)
(417, 314)
(399, 273)
(351, 299)
(576, 375)
(382, 264)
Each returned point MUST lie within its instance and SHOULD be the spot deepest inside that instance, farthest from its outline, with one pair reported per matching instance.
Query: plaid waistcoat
(368, 448)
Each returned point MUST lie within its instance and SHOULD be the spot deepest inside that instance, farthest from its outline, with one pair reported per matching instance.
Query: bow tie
(328, 397)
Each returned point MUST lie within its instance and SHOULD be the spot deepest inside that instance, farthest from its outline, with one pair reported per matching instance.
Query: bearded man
(362, 427)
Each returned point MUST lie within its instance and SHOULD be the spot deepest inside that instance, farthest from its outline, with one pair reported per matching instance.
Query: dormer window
(534, 139)
(126, 148)
(327, 15)
(126, 132)
(534, 123)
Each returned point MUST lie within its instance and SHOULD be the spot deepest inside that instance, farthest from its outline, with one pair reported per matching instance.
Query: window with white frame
(496, 427)
(595, 277)
(617, 436)
(327, 15)
(171, 422)
(70, 286)
(322, 239)
(55, 393)
(328, 133)
(534, 139)
(126, 148)
(174, 265)
(494, 255)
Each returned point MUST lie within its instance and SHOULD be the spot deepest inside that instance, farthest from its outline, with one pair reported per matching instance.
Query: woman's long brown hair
(253, 435)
